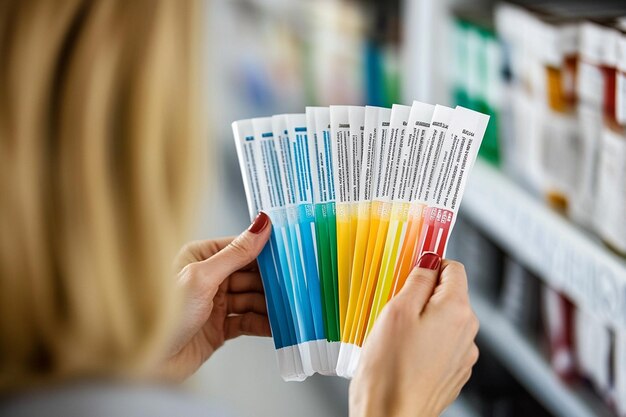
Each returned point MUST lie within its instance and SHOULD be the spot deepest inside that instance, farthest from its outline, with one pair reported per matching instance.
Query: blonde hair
(98, 132)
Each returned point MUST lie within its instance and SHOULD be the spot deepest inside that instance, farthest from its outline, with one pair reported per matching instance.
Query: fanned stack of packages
(355, 195)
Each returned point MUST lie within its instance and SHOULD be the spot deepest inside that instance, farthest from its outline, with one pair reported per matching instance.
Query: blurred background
(543, 223)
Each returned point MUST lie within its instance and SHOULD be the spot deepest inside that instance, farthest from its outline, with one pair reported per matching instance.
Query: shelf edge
(562, 254)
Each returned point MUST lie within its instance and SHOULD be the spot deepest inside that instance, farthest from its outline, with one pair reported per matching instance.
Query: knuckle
(414, 275)
(246, 323)
(459, 298)
(474, 354)
(421, 283)
(439, 303)
(253, 303)
(462, 316)
(467, 376)
(475, 323)
(457, 267)
(189, 246)
(236, 304)
(190, 273)
(395, 311)
(194, 280)
(240, 246)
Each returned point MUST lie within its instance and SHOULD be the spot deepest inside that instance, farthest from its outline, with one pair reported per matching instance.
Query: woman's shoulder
(106, 400)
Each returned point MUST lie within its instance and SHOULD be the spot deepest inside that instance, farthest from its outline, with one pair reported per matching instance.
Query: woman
(99, 135)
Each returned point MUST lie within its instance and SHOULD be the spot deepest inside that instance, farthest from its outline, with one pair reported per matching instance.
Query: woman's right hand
(421, 350)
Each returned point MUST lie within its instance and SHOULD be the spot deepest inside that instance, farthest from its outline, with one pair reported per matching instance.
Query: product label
(313, 151)
(381, 157)
(244, 134)
(411, 155)
(393, 148)
(356, 116)
(285, 164)
(456, 157)
(326, 190)
(369, 154)
(434, 143)
(301, 158)
(340, 136)
(267, 161)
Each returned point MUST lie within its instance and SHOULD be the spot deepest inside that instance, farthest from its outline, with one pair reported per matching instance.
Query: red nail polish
(429, 260)
(260, 222)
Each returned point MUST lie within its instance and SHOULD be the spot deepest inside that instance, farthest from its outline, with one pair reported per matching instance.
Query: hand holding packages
(356, 195)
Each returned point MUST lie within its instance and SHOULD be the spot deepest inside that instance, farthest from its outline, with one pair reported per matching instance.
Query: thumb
(242, 250)
(422, 280)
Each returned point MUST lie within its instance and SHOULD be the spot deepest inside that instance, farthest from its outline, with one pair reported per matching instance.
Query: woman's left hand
(224, 296)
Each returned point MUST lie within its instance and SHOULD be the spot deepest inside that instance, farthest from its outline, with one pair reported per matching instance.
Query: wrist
(364, 402)
(373, 400)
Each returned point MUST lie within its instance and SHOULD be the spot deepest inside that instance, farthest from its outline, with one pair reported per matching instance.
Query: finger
(251, 324)
(241, 251)
(245, 303)
(453, 279)
(200, 250)
(245, 282)
(204, 249)
(422, 280)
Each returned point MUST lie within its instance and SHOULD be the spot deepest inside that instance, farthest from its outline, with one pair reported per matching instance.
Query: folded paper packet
(355, 194)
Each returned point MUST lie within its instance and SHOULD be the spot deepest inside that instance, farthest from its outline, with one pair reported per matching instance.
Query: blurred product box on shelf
(558, 320)
(619, 362)
(520, 289)
(553, 78)
(586, 355)
(593, 343)
(483, 260)
(475, 72)
(286, 53)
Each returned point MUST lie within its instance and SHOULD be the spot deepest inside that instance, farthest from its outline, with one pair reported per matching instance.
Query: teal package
(302, 301)
(275, 307)
(289, 290)
(309, 252)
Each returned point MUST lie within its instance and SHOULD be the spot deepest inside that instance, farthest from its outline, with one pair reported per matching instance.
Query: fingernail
(429, 260)
(260, 222)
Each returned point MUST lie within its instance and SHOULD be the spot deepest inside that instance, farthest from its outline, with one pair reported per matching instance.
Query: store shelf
(568, 258)
(530, 368)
